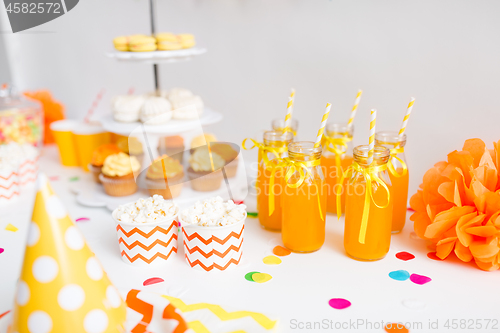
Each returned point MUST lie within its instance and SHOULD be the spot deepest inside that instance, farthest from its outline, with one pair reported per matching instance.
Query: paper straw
(323, 124)
(407, 116)
(94, 105)
(289, 110)
(371, 140)
(354, 108)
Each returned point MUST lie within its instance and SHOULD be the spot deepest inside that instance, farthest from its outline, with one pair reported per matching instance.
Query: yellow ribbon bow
(303, 168)
(272, 165)
(338, 146)
(289, 129)
(370, 174)
(390, 164)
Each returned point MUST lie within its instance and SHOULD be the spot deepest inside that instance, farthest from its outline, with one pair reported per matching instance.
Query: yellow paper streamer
(370, 174)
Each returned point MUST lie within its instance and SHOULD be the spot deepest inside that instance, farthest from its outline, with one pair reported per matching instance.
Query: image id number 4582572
(34, 7)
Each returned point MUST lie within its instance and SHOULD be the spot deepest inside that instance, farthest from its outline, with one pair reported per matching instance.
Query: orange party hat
(62, 287)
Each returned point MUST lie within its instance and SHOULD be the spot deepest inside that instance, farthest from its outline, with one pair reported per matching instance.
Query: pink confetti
(54, 178)
(419, 279)
(82, 219)
(152, 281)
(339, 303)
(238, 202)
(1, 250)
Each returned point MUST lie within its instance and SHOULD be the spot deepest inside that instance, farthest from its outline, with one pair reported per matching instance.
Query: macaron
(166, 45)
(187, 40)
(121, 43)
(142, 44)
(166, 36)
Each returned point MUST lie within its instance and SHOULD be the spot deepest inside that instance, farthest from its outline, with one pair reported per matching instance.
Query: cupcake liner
(96, 171)
(146, 244)
(208, 248)
(118, 187)
(9, 186)
(206, 183)
(231, 168)
(159, 187)
(28, 171)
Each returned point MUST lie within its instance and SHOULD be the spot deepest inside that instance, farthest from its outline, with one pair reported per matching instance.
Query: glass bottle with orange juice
(368, 207)
(337, 157)
(279, 125)
(270, 178)
(398, 172)
(303, 199)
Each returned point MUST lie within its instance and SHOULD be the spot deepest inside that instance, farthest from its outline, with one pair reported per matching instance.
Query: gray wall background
(444, 53)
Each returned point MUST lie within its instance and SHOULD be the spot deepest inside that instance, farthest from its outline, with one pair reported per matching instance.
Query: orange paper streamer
(52, 111)
(457, 206)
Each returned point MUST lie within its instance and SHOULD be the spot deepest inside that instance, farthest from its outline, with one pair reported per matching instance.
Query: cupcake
(117, 174)
(200, 171)
(202, 140)
(127, 108)
(156, 111)
(147, 231)
(164, 177)
(132, 146)
(230, 156)
(173, 146)
(98, 157)
(213, 233)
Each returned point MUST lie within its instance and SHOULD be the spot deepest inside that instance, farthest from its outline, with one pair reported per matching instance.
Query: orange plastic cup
(63, 134)
(88, 137)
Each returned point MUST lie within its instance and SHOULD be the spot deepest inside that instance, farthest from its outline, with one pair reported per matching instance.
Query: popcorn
(214, 212)
(153, 209)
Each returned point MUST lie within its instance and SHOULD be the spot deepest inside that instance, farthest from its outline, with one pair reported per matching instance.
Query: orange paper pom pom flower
(457, 206)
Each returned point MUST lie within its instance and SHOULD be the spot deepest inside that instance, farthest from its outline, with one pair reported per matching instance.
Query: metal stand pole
(152, 11)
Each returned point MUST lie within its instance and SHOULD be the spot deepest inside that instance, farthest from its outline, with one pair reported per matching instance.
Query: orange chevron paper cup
(208, 248)
(28, 171)
(145, 244)
(9, 185)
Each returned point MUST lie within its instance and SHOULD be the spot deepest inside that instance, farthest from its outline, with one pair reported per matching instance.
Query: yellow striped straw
(354, 108)
(323, 124)
(407, 116)
(289, 110)
(371, 141)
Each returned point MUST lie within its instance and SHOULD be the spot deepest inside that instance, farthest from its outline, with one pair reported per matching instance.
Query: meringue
(127, 108)
(187, 108)
(214, 212)
(156, 111)
(153, 209)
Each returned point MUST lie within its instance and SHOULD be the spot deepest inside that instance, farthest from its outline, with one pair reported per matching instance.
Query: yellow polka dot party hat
(62, 287)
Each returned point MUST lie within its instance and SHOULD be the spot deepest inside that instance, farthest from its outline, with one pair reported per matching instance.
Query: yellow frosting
(200, 160)
(130, 145)
(120, 164)
(172, 168)
(201, 140)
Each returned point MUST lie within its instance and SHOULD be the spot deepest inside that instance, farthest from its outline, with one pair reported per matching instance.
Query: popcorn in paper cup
(28, 168)
(9, 173)
(213, 234)
(147, 230)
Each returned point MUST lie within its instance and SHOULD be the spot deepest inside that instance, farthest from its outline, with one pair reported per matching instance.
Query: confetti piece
(400, 275)
(82, 219)
(74, 179)
(271, 260)
(54, 178)
(414, 304)
(433, 256)
(3, 314)
(405, 256)
(396, 327)
(420, 279)
(413, 235)
(261, 277)
(280, 251)
(238, 202)
(152, 281)
(410, 209)
(252, 214)
(339, 303)
(10, 227)
(248, 276)
(1, 250)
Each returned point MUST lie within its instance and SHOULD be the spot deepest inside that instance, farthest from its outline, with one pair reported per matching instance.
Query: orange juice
(399, 192)
(332, 178)
(276, 142)
(337, 147)
(378, 229)
(304, 207)
(398, 173)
